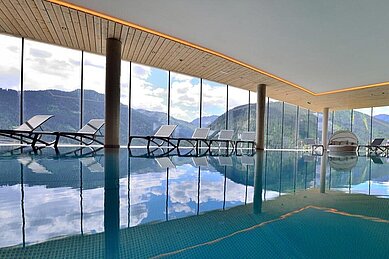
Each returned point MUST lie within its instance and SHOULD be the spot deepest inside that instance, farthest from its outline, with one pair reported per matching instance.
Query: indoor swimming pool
(80, 203)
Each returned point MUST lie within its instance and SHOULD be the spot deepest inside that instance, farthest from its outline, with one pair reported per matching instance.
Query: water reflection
(49, 195)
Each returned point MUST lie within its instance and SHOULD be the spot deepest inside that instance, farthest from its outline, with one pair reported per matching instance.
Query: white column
(325, 128)
(260, 116)
(112, 93)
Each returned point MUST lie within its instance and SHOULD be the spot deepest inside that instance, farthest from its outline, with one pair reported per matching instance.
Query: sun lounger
(199, 135)
(246, 137)
(161, 137)
(375, 146)
(86, 135)
(225, 136)
(27, 132)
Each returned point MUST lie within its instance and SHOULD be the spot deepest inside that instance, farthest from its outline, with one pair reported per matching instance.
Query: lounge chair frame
(225, 136)
(375, 147)
(199, 136)
(26, 133)
(82, 136)
(160, 135)
(247, 137)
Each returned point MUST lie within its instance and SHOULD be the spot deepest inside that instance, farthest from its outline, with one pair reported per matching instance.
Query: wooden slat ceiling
(52, 23)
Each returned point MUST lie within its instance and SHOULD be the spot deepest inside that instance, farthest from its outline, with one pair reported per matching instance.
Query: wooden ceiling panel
(45, 21)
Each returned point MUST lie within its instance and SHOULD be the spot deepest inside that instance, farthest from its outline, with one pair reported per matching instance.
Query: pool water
(94, 203)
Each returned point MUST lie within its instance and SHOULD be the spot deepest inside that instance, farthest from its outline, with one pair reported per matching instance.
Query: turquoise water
(270, 204)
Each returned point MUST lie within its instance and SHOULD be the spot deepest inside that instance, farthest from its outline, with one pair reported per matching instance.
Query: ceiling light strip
(361, 87)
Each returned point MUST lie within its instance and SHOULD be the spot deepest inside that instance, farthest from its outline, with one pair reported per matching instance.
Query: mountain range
(65, 106)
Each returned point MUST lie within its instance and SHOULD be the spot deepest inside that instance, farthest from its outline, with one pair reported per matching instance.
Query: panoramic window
(214, 105)
(94, 87)
(10, 66)
(342, 120)
(184, 104)
(313, 121)
(253, 111)
(380, 123)
(238, 110)
(52, 83)
(362, 125)
(303, 126)
(149, 105)
(274, 127)
(290, 126)
(124, 101)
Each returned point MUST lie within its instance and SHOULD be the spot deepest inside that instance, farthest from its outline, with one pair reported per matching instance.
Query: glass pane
(380, 123)
(274, 133)
(214, 105)
(10, 65)
(290, 126)
(342, 120)
(124, 101)
(149, 87)
(312, 132)
(253, 111)
(184, 104)
(52, 83)
(238, 110)
(361, 125)
(303, 125)
(94, 87)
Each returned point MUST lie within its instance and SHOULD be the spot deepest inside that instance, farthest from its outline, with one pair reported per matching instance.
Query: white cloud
(214, 99)
(10, 62)
(237, 97)
(145, 95)
(379, 110)
(51, 67)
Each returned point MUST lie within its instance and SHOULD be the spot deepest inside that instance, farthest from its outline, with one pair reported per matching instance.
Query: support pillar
(260, 116)
(324, 129)
(112, 93)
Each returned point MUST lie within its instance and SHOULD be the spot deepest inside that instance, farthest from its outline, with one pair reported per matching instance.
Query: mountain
(65, 106)
(383, 117)
(206, 120)
(237, 119)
